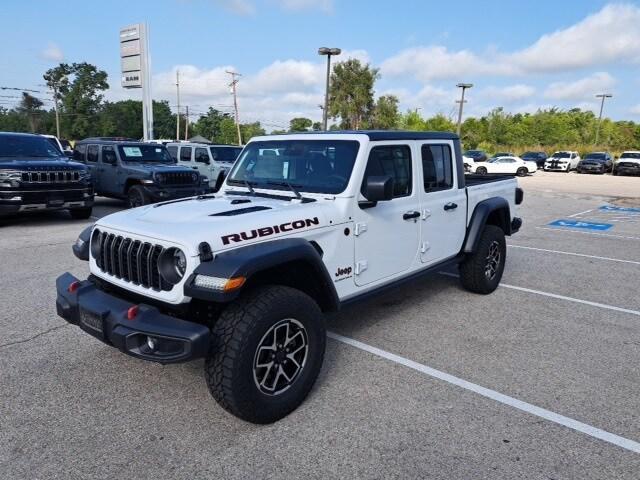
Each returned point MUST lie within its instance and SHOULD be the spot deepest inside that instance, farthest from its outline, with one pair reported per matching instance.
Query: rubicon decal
(266, 231)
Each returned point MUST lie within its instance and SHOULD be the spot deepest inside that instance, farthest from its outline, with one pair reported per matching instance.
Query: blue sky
(520, 55)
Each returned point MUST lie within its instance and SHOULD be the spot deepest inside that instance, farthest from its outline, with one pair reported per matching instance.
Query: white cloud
(239, 7)
(610, 35)
(52, 53)
(194, 82)
(509, 94)
(297, 5)
(582, 89)
(635, 110)
(286, 76)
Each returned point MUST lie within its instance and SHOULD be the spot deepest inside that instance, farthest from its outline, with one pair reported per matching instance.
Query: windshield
(225, 154)
(561, 155)
(595, 156)
(635, 155)
(317, 166)
(145, 153)
(24, 146)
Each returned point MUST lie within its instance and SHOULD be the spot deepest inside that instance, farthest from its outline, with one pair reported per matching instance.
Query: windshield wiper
(290, 186)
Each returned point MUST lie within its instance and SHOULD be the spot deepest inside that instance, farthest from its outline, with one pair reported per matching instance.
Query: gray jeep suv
(140, 173)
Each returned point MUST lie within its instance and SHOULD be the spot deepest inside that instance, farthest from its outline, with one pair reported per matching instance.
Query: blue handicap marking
(580, 224)
(611, 208)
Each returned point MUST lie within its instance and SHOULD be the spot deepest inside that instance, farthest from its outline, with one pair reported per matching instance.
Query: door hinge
(360, 228)
(361, 266)
(426, 213)
(424, 247)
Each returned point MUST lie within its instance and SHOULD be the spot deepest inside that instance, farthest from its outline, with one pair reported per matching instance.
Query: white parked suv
(212, 161)
(563, 161)
(628, 163)
(243, 277)
(510, 165)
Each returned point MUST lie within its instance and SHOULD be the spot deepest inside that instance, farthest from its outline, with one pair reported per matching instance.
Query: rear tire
(481, 271)
(237, 370)
(80, 213)
(136, 197)
(481, 171)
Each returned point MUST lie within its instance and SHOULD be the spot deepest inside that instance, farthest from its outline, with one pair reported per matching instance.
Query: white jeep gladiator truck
(303, 225)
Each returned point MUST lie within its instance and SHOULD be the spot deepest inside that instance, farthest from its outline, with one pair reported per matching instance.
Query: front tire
(481, 171)
(481, 271)
(522, 172)
(136, 197)
(267, 352)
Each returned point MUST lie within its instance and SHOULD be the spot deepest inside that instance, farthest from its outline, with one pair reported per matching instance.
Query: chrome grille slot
(62, 176)
(131, 260)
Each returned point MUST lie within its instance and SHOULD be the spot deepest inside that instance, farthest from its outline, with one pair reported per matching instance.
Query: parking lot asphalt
(538, 380)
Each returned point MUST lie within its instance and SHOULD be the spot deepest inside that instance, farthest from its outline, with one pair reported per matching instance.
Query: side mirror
(377, 189)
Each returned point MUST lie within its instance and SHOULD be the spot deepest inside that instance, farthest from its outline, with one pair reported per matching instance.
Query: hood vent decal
(240, 211)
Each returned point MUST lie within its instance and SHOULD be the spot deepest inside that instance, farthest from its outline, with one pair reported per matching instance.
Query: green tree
(78, 88)
(317, 126)
(31, 108)
(351, 93)
(210, 125)
(385, 113)
(300, 124)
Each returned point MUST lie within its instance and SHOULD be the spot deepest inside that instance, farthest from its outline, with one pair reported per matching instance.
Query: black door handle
(450, 206)
(410, 215)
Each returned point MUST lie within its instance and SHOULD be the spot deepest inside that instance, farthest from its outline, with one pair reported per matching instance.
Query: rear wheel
(80, 213)
(481, 170)
(481, 271)
(267, 352)
(136, 196)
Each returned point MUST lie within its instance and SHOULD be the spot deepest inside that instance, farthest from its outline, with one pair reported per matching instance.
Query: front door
(108, 180)
(444, 204)
(387, 235)
(202, 162)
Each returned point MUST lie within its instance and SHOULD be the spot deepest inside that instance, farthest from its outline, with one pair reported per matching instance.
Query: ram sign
(132, 55)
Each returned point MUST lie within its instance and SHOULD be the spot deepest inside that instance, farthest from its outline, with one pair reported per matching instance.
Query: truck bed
(472, 179)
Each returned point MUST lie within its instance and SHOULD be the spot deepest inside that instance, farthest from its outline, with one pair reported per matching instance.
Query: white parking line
(557, 229)
(581, 213)
(575, 254)
(559, 297)
(496, 396)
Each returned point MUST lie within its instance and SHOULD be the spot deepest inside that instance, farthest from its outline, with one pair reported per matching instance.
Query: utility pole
(178, 105)
(55, 107)
(463, 86)
(602, 96)
(328, 52)
(233, 84)
(186, 125)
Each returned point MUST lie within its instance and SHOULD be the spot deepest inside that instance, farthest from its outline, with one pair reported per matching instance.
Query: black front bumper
(20, 200)
(160, 194)
(104, 317)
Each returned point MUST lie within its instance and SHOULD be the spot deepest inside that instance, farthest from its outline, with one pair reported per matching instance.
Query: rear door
(443, 203)
(202, 162)
(109, 171)
(184, 158)
(387, 235)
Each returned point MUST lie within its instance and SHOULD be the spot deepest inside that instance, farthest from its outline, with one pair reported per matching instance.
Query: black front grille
(176, 178)
(52, 176)
(629, 164)
(131, 260)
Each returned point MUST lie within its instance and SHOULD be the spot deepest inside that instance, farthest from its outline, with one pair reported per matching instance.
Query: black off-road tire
(473, 270)
(238, 333)
(136, 196)
(80, 213)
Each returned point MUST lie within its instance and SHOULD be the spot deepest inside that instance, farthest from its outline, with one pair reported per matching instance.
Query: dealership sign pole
(136, 70)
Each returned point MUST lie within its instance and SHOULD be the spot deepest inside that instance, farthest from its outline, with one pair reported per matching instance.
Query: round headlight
(96, 243)
(194, 177)
(172, 265)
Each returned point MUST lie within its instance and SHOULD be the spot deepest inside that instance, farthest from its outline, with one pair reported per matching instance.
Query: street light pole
(602, 96)
(328, 52)
(463, 86)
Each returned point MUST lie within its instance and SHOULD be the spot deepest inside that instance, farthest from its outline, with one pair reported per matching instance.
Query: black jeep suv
(140, 173)
(35, 175)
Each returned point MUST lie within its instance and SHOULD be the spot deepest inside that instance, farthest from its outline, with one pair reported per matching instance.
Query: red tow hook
(73, 286)
(132, 312)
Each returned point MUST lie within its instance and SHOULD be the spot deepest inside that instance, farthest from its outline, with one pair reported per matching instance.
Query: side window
(109, 155)
(392, 160)
(437, 167)
(173, 151)
(185, 154)
(92, 153)
(202, 156)
(79, 153)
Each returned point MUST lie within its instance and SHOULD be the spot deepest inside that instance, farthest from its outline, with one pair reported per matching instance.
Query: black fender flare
(81, 247)
(252, 259)
(479, 220)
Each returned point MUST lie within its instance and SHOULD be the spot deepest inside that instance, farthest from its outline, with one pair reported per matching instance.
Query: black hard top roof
(114, 140)
(390, 134)
(20, 134)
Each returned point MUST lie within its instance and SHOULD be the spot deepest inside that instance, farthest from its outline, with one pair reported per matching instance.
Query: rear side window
(92, 153)
(185, 154)
(392, 160)
(437, 167)
(173, 151)
(202, 156)
(79, 153)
